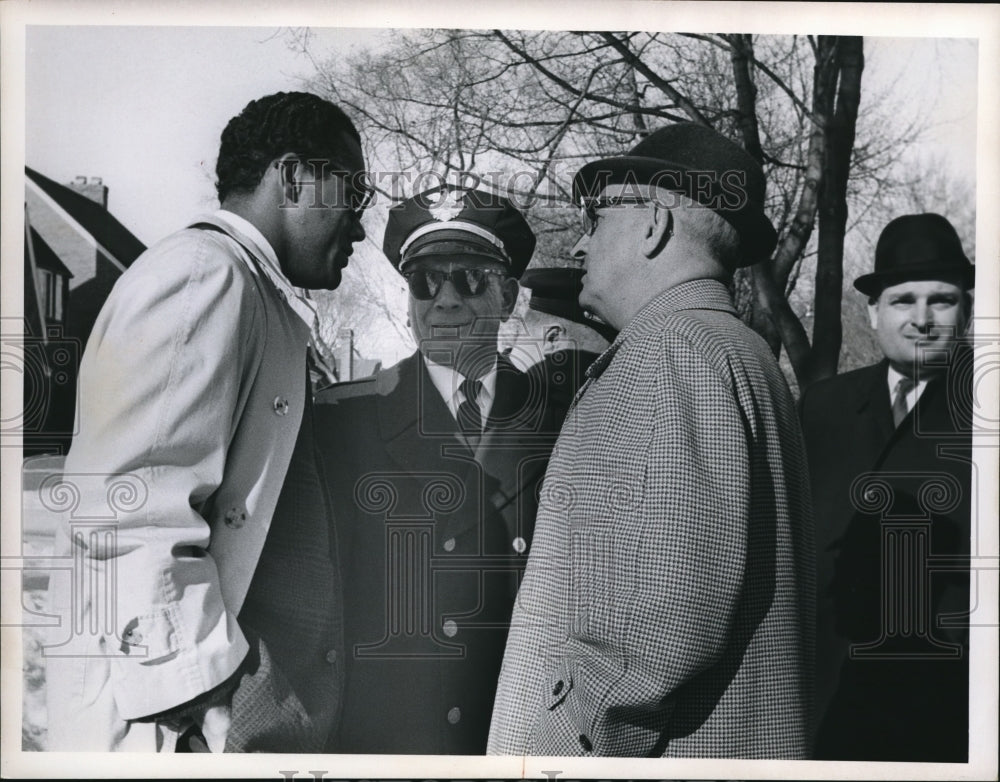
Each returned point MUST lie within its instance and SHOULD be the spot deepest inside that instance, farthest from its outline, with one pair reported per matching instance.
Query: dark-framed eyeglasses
(588, 210)
(425, 284)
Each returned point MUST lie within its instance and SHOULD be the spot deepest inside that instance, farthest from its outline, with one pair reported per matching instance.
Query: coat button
(454, 715)
(558, 687)
(449, 545)
(331, 656)
(585, 743)
(281, 295)
(132, 637)
(280, 405)
(235, 518)
(450, 628)
(520, 545)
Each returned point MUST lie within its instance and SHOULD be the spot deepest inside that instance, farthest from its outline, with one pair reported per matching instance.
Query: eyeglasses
(357, 200)
(425, 284)
(588, 211)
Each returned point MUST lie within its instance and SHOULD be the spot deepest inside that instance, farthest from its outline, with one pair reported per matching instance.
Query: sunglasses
(425, 284)
(588, 211)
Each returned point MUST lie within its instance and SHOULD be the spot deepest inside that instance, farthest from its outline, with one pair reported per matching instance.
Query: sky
(143, 108)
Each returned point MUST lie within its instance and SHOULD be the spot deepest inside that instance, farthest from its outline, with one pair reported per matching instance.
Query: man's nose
(447, 297)
(358, 232)
(579, 251)
(922, 315)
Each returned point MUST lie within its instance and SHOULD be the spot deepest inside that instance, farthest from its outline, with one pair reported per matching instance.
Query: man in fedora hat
(436, 463)
(559, 339)
(889, 459)
(666, 605)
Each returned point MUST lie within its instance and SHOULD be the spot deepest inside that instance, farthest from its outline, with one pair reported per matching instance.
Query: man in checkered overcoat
(666, 608)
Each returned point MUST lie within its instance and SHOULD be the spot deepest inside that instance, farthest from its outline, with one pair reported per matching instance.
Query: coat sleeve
(161, 386)
(665, 576)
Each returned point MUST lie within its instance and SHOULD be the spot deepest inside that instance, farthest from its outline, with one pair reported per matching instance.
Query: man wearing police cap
(436, 463)
(666, 604)
(889, 449)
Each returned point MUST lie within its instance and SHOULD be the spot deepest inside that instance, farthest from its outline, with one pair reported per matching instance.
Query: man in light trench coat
(204, 611)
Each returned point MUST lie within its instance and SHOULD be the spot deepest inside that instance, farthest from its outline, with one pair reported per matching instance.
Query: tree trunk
(848, 56)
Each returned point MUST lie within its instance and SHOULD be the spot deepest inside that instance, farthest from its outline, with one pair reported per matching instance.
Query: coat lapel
(414, 422)
(873, 425)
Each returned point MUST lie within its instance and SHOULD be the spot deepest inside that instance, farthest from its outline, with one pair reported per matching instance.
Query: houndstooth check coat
(666, 608)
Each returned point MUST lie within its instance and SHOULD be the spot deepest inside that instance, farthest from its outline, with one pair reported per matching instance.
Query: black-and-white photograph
(591, 391)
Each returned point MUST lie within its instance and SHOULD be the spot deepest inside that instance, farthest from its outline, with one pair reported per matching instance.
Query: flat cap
(703, 165)
(451, 220)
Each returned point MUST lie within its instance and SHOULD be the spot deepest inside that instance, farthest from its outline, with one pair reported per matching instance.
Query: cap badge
(448, 207)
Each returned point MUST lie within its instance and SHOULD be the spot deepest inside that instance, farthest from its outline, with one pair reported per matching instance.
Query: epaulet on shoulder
(346, 390)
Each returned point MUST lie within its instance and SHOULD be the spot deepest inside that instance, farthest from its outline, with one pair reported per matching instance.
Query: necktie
(899, 406)
(470, 418)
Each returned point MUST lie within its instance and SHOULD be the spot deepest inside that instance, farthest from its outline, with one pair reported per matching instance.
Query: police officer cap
(450, 221)
(556, 291)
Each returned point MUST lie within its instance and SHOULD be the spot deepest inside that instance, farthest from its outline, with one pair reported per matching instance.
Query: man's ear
(873, 312)
(289, 172)
(658, 230)
(551, 337)
(509, 290)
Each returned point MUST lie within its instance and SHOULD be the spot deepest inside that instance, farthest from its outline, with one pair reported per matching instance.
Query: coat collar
(692, 295)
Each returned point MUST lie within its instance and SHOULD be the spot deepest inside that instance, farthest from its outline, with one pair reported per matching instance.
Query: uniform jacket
(666, 605)
(435, 531)
(191, 396)
(876, 705)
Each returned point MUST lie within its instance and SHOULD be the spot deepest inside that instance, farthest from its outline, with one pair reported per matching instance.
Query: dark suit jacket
(562, 373)
(434, 532)
(892, 677)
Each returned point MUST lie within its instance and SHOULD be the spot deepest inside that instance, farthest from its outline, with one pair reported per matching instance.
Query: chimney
(92, 188)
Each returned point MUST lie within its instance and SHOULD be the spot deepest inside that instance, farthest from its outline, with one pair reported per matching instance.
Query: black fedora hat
(703, 165)
(917, 247)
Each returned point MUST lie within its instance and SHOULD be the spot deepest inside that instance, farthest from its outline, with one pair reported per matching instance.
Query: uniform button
(331, 656)
(280, 405)
(235, 517)
(450, 628)
(558, 688)
(454, 715)
(520, 545)
(585, 743)
(449, 545)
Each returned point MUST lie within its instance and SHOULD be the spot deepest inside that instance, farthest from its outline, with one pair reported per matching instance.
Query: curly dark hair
(271, 126)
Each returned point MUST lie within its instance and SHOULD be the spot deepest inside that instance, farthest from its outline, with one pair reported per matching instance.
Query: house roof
(93, 217)
(45, 257)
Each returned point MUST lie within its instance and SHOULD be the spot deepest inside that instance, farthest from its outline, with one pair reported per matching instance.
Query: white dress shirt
(448, 382)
